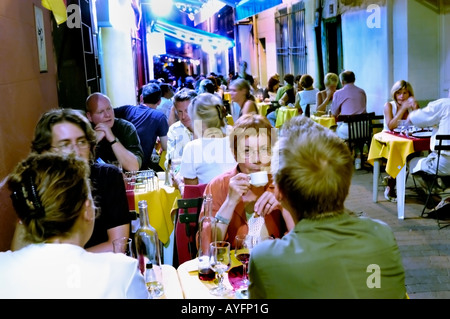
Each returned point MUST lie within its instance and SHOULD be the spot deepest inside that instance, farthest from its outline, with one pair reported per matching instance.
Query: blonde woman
(325, 98)
(242, 101)
(209, 154)
(396, 110)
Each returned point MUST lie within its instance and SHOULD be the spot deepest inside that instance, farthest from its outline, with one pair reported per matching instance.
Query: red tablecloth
(420, 143)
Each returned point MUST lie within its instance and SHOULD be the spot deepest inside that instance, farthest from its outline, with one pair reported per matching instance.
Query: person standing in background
(166, 103)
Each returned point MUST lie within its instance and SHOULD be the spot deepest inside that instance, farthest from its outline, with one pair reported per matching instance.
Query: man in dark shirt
(117, 139)
(150, 123)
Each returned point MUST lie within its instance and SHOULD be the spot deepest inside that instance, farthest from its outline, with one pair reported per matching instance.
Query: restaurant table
(194, 288)
(395, 148)
(230, 120)
(284, 114)
(171, 283)
(162, 205)
(262, 107)
(227, 96)
(324, 120)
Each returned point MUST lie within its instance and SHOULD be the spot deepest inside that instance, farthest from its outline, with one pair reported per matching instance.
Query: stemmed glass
(220, 261)
(242, 248)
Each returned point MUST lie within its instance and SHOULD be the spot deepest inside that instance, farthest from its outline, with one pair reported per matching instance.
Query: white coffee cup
(259, 179)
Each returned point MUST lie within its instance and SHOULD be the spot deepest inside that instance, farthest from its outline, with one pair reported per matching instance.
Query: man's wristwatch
(113, 141)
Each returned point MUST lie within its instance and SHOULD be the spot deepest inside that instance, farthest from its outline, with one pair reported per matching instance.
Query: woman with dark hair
(270, 92)
(52, 197)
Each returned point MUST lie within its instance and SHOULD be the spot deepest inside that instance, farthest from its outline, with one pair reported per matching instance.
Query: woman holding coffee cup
(246, 192)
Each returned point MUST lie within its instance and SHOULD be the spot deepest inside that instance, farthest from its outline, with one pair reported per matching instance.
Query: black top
(108, 190)
(127, 134)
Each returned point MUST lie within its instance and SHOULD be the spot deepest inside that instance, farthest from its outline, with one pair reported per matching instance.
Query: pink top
(349, 100)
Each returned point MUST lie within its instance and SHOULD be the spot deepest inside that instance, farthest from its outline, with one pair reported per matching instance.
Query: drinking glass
(123, 245)
(243, 247)
(220, 261)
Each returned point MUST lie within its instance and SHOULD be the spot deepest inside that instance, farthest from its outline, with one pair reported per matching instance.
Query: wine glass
(220, 261)
(242, 248)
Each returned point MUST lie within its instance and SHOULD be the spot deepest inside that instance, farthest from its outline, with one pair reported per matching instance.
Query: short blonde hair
(208, 108)
(402, 84)
(250, 125)
(312, 167)
(331, 78)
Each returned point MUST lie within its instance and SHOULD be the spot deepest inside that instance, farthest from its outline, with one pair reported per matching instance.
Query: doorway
(332, 45)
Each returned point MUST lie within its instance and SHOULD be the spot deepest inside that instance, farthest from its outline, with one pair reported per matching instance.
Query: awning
(193, 35)
(248, 8)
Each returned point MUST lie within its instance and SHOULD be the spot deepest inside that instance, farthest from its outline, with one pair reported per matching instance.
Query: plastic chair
(186, 225)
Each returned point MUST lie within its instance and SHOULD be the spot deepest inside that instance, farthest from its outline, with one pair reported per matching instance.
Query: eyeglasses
(69, 147)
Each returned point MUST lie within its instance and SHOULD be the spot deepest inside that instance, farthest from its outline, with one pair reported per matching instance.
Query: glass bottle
(168, 176)
(148, 253)
(207, 234)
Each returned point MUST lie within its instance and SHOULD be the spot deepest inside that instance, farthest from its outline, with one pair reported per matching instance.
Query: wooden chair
(186, 223)
(442, 144)
(360, 131)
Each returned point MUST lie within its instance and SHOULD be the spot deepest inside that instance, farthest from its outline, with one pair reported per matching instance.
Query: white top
(436, 114)
(306, 97)
(205, 158)
(60, 271)
(165, 106)
(177, 138)
(235, 109)
(394, 111)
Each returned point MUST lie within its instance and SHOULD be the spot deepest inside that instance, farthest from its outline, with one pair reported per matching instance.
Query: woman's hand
(266, 204)
(238, 187)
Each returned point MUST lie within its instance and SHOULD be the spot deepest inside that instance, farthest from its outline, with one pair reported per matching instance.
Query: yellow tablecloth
(284, 114)
(395, 149)
(161, 202)
(227, 96)
(327, 121)
(230, 120)
(262, 108)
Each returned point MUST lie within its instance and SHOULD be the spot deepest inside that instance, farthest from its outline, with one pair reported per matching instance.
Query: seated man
(330, 253)
(117, 139)
(349, 100)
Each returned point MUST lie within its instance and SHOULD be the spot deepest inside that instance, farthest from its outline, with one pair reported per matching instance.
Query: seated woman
(243, 102)
(325, 98)
(65, 131)
(52, 197)
(208, 154)
(235, 201)
(307, 96)
(270, 92)
(394, 111)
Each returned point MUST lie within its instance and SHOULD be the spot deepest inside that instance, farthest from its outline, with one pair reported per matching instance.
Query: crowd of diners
(70, 198)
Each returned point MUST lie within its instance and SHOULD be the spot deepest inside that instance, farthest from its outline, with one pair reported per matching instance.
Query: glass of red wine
(243, 246)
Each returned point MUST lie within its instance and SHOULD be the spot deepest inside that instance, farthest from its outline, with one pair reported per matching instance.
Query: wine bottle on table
(148, 253)
(207, 234)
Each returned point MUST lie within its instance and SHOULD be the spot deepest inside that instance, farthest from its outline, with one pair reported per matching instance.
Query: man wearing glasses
(67, 131)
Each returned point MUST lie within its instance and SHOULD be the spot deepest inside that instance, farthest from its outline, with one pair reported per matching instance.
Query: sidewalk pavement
(424, 247)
